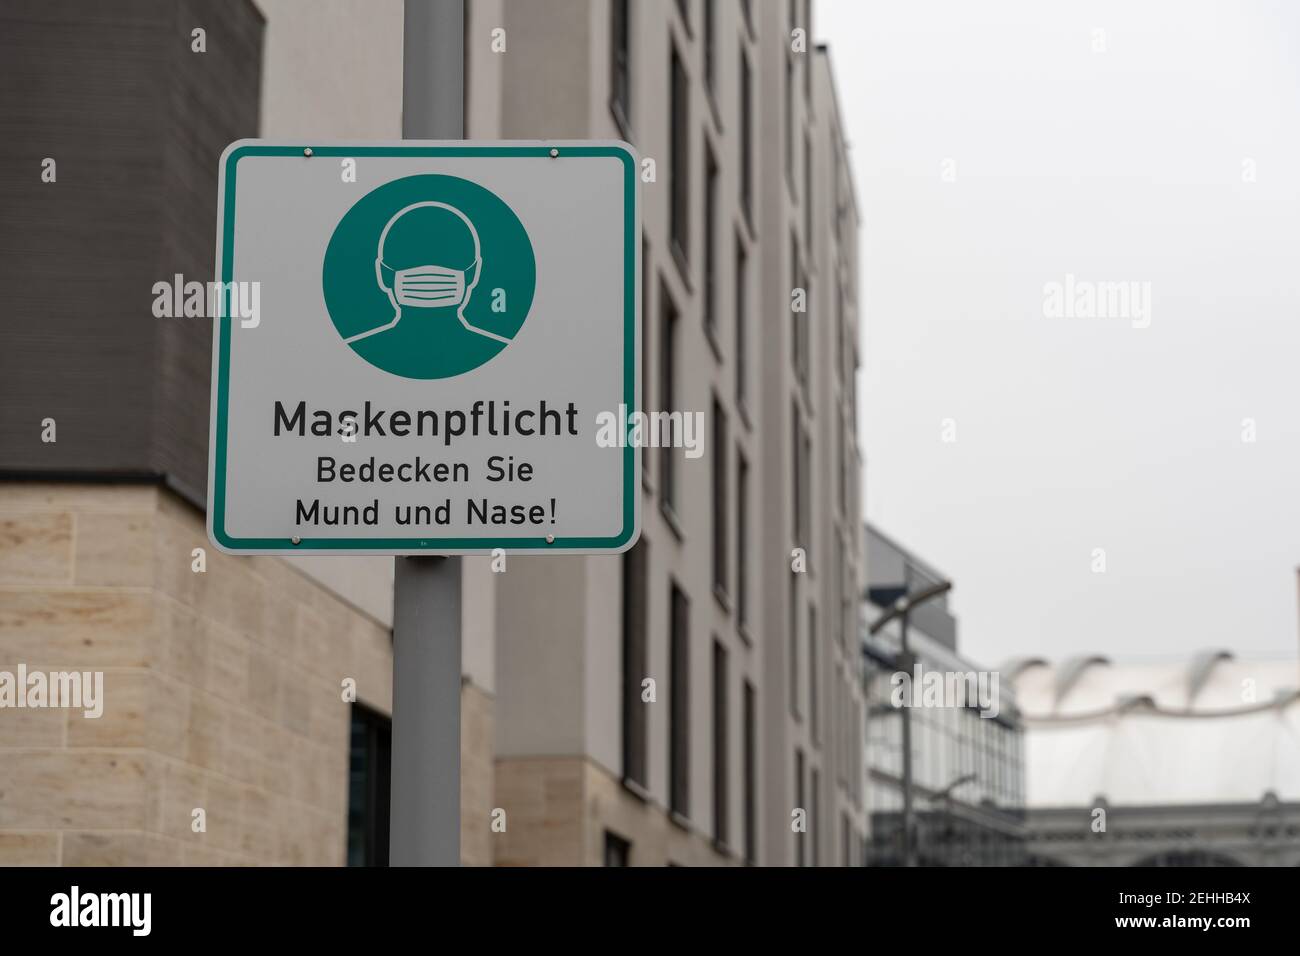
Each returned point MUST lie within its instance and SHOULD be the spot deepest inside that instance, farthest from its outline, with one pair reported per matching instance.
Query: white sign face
(441, 354)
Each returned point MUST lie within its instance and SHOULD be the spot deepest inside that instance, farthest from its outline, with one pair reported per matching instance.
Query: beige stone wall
(476, 772)
(223, 690)
(558, 809)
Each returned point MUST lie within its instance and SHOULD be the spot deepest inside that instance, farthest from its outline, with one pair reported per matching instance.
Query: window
(746, 139)
(837, 208)
(839, 741)
(635, 575)
(789, 121)
(667, 399)
(720, 761)
(799, 322)
(710, 248)
(804, 328)
(841, 463)
(741, 319)
(709, 39)
(742, 540)
(855, 749)
(720, 508)
(804, 487)
(618, 852)
(620, 72)
(799, 841)
(680, 158)
(849, 598)
(751, 773)
(369, 765)
(793, 644)
(796, 318)
(807, 62)
(835, 580)
(807, 190)
(839, 330)
(814, 724)
(796, 475)
(813, 809)
(679, 652)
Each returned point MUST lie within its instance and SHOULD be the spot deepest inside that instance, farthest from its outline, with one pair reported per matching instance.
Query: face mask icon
(428, 262)
(429, 287)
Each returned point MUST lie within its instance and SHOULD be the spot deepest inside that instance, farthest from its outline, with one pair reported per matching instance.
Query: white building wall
(559, 626)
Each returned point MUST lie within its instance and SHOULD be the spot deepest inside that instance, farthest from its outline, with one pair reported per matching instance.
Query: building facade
(967, 752)
(698, 701)
(695, 701)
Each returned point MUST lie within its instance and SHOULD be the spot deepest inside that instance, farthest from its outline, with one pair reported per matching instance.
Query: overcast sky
(1072, 434)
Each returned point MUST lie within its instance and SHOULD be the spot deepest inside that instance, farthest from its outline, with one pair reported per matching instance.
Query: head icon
(429, 276)
(428, 258)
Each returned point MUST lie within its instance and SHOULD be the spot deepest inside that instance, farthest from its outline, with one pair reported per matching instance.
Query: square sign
(426, 347)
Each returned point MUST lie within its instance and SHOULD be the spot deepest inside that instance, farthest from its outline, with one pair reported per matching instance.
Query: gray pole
(424, 829)
(903, 609)
(425, 812)
(909, 842)
(433, 70)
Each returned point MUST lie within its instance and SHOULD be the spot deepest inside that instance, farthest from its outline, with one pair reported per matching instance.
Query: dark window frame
(721, 761)
(814, 799)
(750, 772)
(620, 66)
(635, 724)
(618, 850)
(712, 175)
(647, 332)
(709, 40)
(797, 319)
(796, 476)
(679, 740)
(801, 856)
(679, 157)
(788, 108)
(808, 189)
(721, 509)
(740, 263)
(792, 643)
(746, 138)
(669, 318)
(742, 540)
(814, 720)
(368, 826)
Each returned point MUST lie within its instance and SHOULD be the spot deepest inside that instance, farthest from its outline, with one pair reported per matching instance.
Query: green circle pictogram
(429, 276)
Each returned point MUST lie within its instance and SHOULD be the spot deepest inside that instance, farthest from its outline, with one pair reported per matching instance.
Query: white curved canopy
(1207, 729)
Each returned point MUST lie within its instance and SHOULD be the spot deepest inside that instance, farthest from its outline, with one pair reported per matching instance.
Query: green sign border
(217, 481)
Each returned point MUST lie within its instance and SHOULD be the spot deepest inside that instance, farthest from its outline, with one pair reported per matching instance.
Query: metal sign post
(424, 825)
